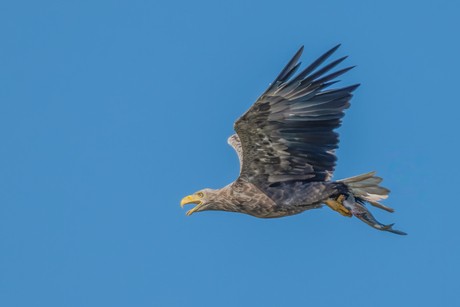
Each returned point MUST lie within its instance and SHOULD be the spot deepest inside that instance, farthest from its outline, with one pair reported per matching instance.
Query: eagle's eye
(200, 194)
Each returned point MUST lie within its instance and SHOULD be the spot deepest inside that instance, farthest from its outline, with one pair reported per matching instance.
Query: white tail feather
(366, 187)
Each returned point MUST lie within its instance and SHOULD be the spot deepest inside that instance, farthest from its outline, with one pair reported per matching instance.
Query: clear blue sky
(112, 111)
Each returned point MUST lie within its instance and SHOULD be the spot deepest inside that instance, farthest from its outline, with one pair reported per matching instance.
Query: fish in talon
(366, 216)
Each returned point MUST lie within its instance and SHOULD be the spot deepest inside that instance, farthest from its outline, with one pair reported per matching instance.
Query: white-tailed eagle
(285, 143)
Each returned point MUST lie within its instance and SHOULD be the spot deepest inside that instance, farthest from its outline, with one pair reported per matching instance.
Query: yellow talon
(336, 205)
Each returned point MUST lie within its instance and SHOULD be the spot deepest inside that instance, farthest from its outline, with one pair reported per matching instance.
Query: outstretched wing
(287, 135)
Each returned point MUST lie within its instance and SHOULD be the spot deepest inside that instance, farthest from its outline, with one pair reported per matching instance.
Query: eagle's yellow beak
(191, 199)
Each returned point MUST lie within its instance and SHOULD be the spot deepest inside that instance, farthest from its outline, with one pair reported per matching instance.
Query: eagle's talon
(337, 205)
(342, 210)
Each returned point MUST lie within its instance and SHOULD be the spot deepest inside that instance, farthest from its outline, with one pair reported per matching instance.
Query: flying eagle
(285, 143)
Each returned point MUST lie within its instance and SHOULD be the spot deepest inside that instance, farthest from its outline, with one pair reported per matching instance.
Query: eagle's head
(205, 199)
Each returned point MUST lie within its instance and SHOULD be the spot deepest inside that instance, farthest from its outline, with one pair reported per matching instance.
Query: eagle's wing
(287, 135)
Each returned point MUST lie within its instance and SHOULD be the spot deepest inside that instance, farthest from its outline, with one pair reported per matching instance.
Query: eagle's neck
(225, 199)
(242, 196)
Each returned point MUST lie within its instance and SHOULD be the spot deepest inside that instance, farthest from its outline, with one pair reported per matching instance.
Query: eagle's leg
(336, 205)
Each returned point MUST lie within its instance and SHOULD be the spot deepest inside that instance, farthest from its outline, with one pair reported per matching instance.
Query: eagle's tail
(366, 188)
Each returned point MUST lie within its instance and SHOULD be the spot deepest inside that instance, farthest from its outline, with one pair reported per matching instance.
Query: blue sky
(112, 111)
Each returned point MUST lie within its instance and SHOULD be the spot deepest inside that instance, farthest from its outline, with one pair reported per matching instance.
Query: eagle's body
(285, 143)
(284, 200)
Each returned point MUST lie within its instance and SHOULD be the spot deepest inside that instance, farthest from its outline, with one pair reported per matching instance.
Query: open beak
(191, 199)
